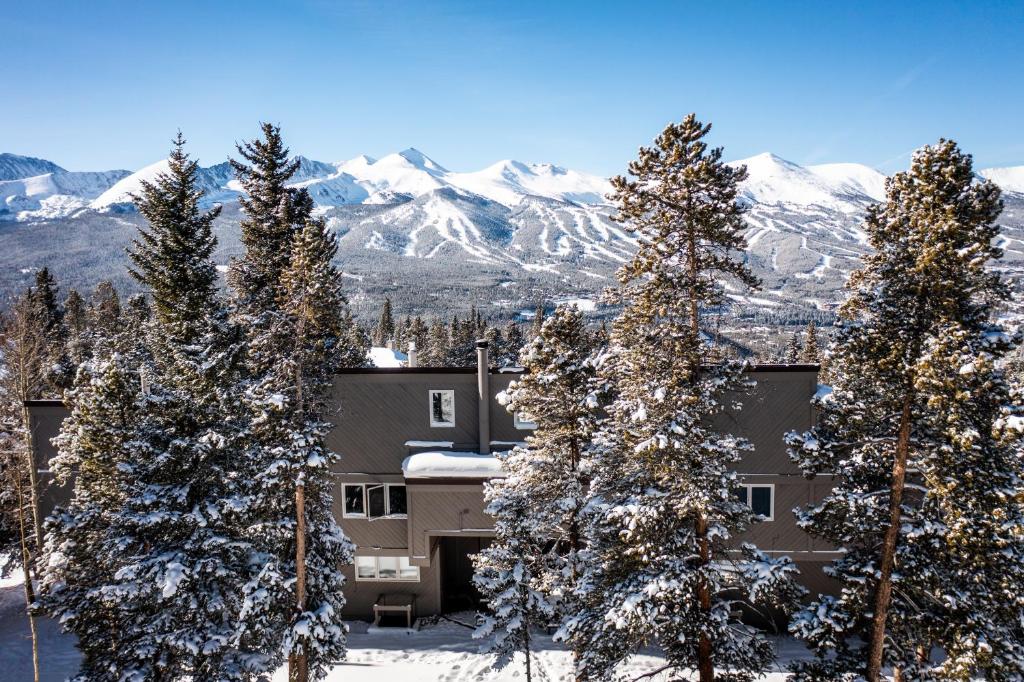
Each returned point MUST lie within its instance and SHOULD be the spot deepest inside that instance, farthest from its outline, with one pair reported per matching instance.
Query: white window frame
(376, 570)
(366, 501)
(771, 493)
(522, 421)
(430, 408)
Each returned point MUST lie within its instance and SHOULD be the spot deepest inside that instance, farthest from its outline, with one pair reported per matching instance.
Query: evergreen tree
(164, 502)
(540, 501)
(513, 344)
(306, 545)
(355, 342)
(496, 344)
(922, 434)
(664, 496)
(280, 283)
(104, 314)
(810, 353)
(461, 344)
(436, 352)
(418, 334)
(78, 346)
(384, 331)
(793, 350)
(273, 213)
(97, 439)
(538, 321)
(172, 254)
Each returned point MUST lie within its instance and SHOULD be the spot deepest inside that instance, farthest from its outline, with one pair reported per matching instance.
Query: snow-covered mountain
(534, 229)
(34, 189)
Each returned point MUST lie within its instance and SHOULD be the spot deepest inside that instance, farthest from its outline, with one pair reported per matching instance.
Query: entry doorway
(457, 590)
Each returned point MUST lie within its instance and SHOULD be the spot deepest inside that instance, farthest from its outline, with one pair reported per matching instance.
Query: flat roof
(765, 367)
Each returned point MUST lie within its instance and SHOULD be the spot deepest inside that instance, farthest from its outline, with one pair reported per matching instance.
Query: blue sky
(97, 85)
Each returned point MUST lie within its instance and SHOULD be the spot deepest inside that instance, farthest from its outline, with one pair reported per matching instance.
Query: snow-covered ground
(441, 651)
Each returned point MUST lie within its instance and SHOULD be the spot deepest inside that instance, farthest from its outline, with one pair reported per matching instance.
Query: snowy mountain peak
(1010, 179)
(845, 187)
(16, 167)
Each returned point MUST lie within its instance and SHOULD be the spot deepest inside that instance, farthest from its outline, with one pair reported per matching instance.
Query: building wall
(377, 412)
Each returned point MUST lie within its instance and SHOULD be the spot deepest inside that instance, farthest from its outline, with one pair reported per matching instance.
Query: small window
(760, 499)
(397, 503)
(524, 421)
(375, 500)
(395, 568)
(380, 500)
(442, 408)
(355, 504)
(366, 568)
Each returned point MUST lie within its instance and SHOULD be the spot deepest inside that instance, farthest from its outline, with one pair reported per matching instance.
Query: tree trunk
(883, 593)
(26, 567)
(298, 664)
(526, 650)
(33, 477)
(705, 662)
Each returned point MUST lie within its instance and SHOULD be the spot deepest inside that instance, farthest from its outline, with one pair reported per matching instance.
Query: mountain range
(501, 238)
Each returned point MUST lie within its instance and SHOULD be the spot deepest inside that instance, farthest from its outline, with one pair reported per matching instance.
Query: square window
(355, 504)
(523, 420)
(366, 568)
(442, 408)
(397, 503)
(388, 567)
(375, 501)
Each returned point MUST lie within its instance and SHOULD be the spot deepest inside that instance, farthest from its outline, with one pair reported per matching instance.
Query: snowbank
(449, 464)
(387, 357)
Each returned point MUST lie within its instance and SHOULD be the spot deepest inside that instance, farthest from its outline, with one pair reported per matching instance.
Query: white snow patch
(429, 443)
(451, 465)
(387, 357)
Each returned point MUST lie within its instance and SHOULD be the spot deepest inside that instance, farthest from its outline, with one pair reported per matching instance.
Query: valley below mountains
(502, 239)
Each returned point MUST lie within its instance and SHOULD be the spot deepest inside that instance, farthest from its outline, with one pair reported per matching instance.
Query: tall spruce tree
(274, 212)
(513, 344)
(307, 545)
(811, 352)
(384, 331)
(923, 435)
(165, 500)
(664, 496)
(539, 503)
(288, 300)
(793, 349)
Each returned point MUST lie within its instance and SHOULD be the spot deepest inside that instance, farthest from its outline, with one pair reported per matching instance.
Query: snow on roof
(449, 464)
(386, 357)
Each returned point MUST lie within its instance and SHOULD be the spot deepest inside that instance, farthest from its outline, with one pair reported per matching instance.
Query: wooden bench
(394, 603)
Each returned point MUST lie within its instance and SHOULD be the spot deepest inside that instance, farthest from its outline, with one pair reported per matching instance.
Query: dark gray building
(416, 444)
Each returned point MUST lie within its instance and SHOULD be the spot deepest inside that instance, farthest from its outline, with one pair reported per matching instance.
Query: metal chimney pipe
(411, 358)
(483, 395)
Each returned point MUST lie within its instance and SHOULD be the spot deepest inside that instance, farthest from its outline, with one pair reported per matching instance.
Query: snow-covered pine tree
(538, 320)
(96, 440)
(274, 212)
(166, 508)
(793, 349)
(513, 344)
(287, 428)
(302, 580)
(418, 334)
(104, 314)
(435, 353)
(922, 433)
(811, 353)
(355, 343)
(384, 330)
(77, 345)
(663, 502)
(540, 501)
